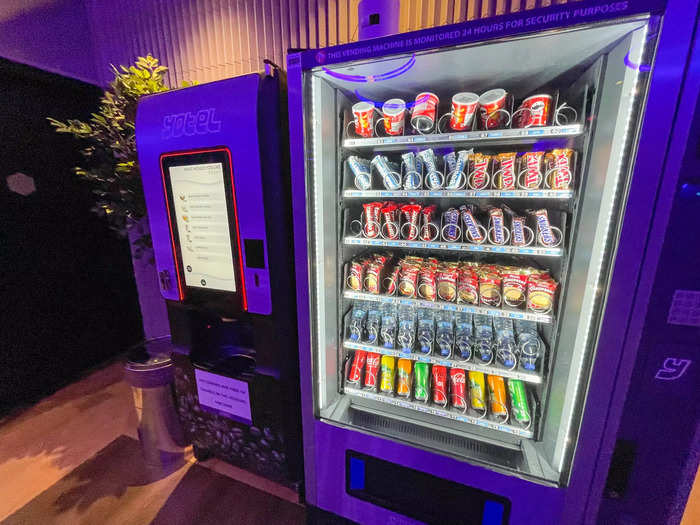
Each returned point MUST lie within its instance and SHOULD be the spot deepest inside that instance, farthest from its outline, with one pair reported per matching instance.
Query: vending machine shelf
(508, 136)
(441, 412)
(492, 369)
(456, 246)
(460, 194)
(455, 307)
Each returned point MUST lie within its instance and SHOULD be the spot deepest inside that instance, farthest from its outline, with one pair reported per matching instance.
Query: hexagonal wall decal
(21, 183)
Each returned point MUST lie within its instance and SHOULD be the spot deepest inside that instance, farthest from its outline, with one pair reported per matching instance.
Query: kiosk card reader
(217, 194)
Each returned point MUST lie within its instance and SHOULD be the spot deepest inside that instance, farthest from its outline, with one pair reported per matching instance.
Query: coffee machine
(216, 184)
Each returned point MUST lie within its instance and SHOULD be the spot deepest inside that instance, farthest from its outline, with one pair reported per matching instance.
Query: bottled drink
(388, 330)
(529, 343)
(372, 325)
(426, 330)
(506, 349)
(464, 335)
(358, 317)
(444, 332)
(483, 332)
(407, 328)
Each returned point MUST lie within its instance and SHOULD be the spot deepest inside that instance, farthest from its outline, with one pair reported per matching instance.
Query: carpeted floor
(114, 487)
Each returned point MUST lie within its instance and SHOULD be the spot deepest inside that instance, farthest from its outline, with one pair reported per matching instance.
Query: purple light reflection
(373, 78)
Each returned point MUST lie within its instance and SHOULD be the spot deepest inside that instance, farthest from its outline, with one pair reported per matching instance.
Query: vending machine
(218, 197)
(473, 215)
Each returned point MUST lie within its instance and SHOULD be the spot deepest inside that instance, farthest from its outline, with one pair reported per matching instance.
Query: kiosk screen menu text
(199, 197)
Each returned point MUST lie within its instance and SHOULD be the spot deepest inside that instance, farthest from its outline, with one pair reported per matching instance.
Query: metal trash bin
(151, 379)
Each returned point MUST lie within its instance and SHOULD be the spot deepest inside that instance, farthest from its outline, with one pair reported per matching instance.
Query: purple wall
(53, 35)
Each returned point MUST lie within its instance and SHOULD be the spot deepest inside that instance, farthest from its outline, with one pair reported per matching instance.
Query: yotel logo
(190, 123)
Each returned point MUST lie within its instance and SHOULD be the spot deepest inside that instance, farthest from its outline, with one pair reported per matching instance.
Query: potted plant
(111, 167)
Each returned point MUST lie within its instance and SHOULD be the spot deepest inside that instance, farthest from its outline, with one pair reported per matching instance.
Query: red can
(372, 370)
(363, 113)
(463, 109)
(424, 111)
(439, 376)
(492, 109)
(394, 111)
(458, 389)
(534, 111)
(358, 363)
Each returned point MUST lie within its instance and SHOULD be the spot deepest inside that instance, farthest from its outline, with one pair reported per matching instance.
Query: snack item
(411, 215)
(388, 171)
(447, 282)
(428, 229)
(372, 370)
(356, 275)
(424, 112)
(467, 286)
(391, 281)
(412, 168)
(479, 168)
(433, 178)
(358, 363)
(473, 231)
(514, 287)
(390, 216)
(363, 115)
(362, 172)
(540, 293)
(498, 233)
(519, 232)
(450, 225)
(545, 231)
(371, 215)
(492, 109)
(373, 276)
(427, 288)
(559, 169)
(504, 171)
(388, 367)
(490, 286)
(439, 380)
(403, 383)
(530, 171)
(463, 109)
(533, 111)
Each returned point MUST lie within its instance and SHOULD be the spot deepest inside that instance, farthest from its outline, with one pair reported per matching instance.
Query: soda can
(421, 389)
(463, 110)
(518, 399)
(403, 384)
(497, 395)
(371, 370)
(388, 366)
(439, 376)
(358, 363)
(363, 115)
(458, 396)
(424, 112)
(477, 390)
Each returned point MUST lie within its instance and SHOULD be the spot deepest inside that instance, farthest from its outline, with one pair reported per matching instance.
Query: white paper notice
(199, 195)
(224, 395)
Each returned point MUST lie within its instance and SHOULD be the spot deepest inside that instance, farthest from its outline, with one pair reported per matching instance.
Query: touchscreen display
(199, 197)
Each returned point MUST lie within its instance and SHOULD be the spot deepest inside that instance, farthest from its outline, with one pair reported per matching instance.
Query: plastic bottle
(373, 322)
(483, 332)
(406, 335)
(529, 344)
(506, 349)
(358, 317)
(464, 335)
(388, 330)
(444, 332)
(426, 330)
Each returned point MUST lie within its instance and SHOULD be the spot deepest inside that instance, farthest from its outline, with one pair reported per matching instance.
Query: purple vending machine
(472, 216)
(217, 195)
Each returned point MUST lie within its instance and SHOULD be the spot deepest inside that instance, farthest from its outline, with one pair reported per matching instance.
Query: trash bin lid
(148, 371)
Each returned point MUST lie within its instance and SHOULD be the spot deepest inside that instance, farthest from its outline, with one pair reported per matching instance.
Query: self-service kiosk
(217, 193)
